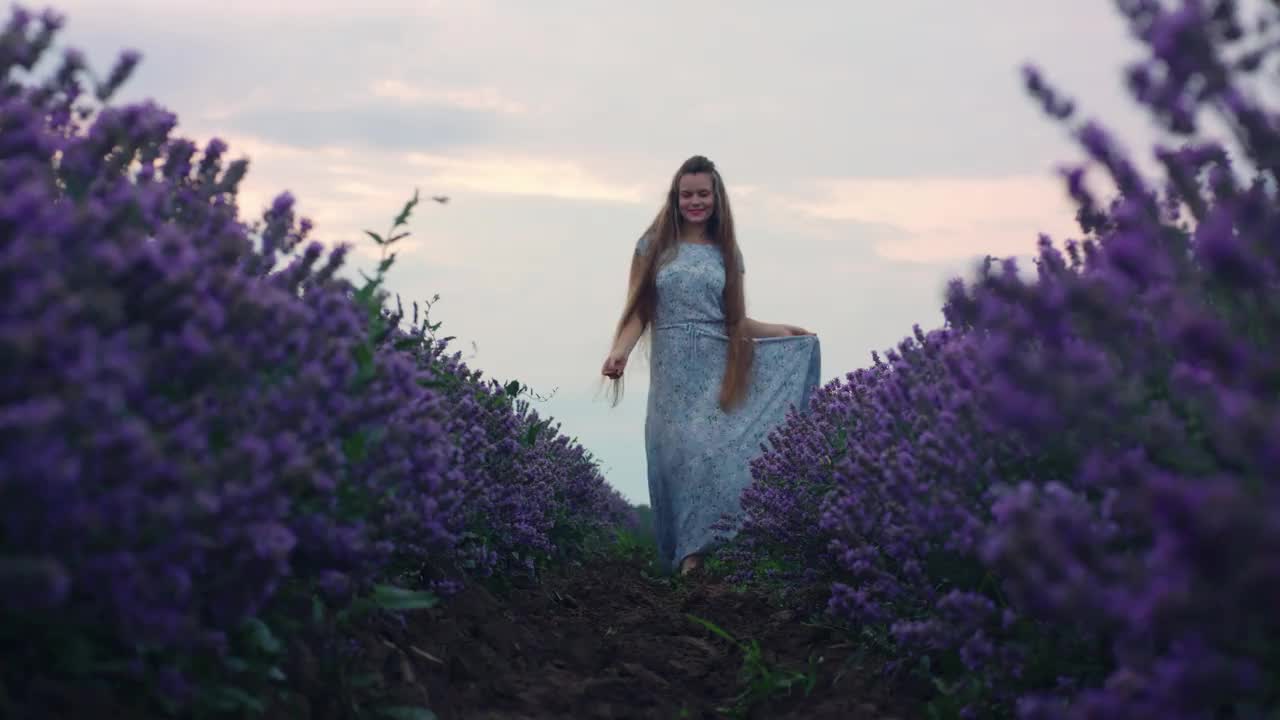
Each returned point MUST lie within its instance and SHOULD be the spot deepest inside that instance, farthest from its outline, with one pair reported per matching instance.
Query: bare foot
(690, 563)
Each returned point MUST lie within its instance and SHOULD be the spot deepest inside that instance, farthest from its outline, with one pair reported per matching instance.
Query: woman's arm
(758, 329)
(629, 336)
(632, 330)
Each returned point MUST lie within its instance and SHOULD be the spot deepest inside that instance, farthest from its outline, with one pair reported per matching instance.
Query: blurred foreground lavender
(1066, 503)
(203, 428)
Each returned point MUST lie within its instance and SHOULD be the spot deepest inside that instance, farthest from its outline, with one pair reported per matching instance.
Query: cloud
(514, 174)
(476, 99)
(339, 188)
(346, 189)
(791, 97)
(940, 219)
(380, 124)
(305, 12)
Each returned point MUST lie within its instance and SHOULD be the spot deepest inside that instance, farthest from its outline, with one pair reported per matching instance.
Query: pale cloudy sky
(872, 150)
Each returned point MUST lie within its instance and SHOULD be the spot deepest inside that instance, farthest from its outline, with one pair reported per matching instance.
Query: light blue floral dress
(699, 456)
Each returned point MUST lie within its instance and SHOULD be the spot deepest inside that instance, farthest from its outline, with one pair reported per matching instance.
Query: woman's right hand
(614, 364)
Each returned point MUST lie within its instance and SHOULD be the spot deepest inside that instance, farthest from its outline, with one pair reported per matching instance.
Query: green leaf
(945, 688)
(404, 712)
(513, 388)
(261, 638)
(387, 263)
(712, 627)
(376, 237)
(364, 364)
(364, 356)
(231, 698)
(355, 446)
(408, 208)
(390, 597)
(367, 294)
(531, 436)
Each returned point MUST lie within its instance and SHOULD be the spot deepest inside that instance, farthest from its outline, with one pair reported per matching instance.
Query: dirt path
(605, 641)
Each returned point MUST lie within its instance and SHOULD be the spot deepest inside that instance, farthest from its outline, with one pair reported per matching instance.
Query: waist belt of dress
(690, 325)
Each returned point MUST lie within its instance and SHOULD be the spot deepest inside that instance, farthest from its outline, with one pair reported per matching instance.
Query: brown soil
(607, 641)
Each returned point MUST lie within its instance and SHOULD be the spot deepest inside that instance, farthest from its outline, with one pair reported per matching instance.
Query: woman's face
(697, 197)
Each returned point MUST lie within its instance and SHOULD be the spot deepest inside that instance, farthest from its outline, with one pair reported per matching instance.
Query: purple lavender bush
(186, 429)
(1162, 534)
(535, 496)
(203, 428)
(1064, 504)
(881, 492)
(772, 551)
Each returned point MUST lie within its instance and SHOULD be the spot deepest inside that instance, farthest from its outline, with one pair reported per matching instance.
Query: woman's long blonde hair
(663, 235)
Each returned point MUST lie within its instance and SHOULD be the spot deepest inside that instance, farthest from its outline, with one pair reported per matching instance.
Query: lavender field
(228, 475)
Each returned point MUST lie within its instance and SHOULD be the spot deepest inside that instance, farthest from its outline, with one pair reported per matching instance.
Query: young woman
(719, 380)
